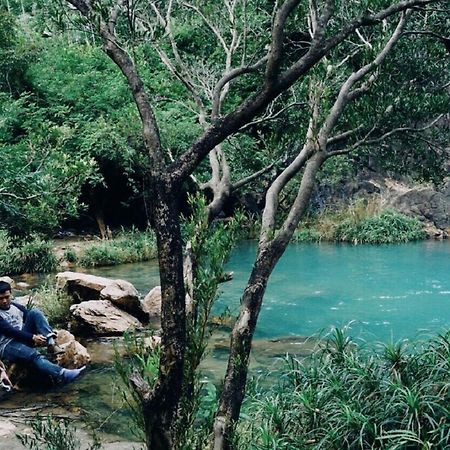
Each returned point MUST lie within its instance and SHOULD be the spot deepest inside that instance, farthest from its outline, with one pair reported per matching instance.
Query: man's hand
(39, 340)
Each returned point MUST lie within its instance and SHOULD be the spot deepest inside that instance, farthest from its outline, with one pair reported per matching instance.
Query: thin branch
(242, 182)
(366, 141)
(406, 130)
(272, 116)
(342, 136)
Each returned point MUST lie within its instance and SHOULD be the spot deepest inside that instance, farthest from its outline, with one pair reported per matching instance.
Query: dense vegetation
(272, 92)
(347, 396)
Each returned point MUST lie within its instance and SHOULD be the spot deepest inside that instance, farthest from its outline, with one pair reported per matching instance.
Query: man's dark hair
(4, 286)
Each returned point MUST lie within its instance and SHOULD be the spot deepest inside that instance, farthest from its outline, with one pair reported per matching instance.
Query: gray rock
(83, 287)
(426, 204)
(101, 318)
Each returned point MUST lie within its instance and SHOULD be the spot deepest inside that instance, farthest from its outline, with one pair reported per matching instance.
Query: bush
(36, 255)
(386, 228)
(127, 247)
(346, 397)
(54, 304)
(361, 223)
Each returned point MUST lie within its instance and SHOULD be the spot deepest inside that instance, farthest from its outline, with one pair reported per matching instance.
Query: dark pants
(35, 323)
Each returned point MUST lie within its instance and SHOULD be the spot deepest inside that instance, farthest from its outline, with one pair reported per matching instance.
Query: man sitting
(22, 330)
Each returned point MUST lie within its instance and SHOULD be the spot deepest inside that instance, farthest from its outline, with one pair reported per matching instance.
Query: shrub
(385, 228)
(343, 396)
(52, 433)
(127, 247)
(361, 223)
(35, 255)
(54, 303)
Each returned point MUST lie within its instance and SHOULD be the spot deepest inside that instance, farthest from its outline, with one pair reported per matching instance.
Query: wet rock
(83, 287)
(101, 318)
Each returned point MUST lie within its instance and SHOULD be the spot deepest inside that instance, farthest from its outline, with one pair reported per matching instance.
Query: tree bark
(269, 252)
(160, 405)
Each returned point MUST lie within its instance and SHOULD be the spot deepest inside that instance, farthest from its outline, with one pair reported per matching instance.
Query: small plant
(70, 256)
(52, 433)
(53, 302)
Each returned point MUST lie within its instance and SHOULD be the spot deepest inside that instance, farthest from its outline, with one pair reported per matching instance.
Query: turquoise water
(385, 292)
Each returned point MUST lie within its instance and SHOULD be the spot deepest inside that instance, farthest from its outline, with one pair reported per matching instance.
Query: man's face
(5, 300)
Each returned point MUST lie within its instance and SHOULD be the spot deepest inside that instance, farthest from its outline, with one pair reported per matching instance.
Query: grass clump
(33, 255)
(386, 228)
(127, 247)
(346, 397)
(53, 433)
(361, 223)
(54, 303)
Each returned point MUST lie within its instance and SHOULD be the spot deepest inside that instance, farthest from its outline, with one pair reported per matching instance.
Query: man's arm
(22, 336)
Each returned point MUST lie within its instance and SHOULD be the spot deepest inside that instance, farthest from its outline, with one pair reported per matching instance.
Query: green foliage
(41, 180)
(142, 360)
(345, 396)
(210, 247)
(33, 255)
(361, 222)
(54, 303)
(53, 433)
(128, 246)
(386, 228)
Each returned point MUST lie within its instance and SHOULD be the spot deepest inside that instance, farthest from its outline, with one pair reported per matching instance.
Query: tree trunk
(161, 407)
(269, 253)
(241, 341)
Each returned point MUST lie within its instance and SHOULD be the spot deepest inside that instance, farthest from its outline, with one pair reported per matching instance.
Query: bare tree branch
(242, 182)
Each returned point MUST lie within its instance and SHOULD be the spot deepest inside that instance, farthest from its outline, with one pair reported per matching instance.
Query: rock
(83, 287)
(23, 300)
(101, 318)
(426, 204)
(152, 342)
(6, 428)
(75, 355)
(9, 280)
(22, 285)
(152, 303)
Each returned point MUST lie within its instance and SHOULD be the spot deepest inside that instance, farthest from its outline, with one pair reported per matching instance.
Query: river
(385, 293)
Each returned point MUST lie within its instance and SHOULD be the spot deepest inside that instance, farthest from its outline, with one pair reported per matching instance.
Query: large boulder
(430, 206)
(101, 318)
(83, 287)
